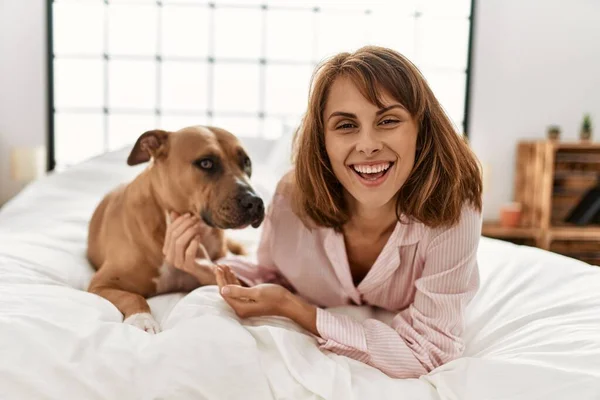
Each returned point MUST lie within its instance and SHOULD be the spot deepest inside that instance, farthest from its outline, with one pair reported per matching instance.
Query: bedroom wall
(22, 83)
(536, 63)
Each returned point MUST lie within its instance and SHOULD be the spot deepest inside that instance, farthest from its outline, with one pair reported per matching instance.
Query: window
(121, 67)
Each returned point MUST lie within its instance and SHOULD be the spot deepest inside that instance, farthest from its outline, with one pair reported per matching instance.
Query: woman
(383, 208)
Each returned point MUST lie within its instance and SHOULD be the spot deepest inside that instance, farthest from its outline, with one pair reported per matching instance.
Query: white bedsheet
(533, 330)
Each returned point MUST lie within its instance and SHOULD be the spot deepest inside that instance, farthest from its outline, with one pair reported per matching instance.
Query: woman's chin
(372, 199)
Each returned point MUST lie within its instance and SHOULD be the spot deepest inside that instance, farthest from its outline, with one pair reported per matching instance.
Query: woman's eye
(389, 121)
(346, 126)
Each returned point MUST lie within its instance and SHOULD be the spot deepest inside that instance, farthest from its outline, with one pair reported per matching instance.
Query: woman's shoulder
(281, 203)
(281, 212)
(467, 227)
(470, 215)
(285, 186)
(286, 206)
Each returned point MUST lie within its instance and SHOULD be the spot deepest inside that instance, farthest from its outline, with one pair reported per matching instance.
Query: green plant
(587, 123)
(553, 132)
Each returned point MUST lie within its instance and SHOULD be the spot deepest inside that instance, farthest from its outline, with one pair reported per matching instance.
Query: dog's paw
(144, 321)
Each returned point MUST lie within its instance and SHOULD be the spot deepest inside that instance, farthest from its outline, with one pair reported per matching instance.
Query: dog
(199, 170)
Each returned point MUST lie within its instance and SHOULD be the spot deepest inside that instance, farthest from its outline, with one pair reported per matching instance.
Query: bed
(532, 331)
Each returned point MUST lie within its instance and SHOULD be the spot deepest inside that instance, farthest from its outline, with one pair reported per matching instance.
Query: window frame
(262, 63)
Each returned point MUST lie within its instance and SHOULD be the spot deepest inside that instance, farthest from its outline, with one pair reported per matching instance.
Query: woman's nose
(368, 143)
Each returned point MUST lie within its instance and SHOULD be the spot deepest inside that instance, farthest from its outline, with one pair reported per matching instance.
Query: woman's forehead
(345, 90)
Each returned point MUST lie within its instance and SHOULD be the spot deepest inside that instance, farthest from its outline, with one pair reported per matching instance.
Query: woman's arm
(428, 333)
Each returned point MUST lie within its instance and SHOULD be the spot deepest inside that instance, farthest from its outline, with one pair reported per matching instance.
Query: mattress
(532, 331)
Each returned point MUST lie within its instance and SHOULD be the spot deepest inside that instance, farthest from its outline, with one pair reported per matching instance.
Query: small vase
(585, 135)
(510, 215)
(553, 134)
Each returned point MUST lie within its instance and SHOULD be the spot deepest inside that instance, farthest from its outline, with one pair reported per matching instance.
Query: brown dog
(199, 170)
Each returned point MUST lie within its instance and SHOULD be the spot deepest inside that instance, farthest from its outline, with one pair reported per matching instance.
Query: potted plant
(553, 132)
(586, 128)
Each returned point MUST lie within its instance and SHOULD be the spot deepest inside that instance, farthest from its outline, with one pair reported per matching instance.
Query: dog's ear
(149, 144)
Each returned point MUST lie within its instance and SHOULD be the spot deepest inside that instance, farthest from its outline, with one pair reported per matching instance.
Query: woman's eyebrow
(382, 110)
(350, 115)
(341, 114)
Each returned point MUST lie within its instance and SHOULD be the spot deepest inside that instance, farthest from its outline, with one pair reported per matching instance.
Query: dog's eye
(247, 166)
(205, 163)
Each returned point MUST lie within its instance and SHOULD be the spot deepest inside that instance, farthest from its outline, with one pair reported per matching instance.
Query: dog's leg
(134, 307)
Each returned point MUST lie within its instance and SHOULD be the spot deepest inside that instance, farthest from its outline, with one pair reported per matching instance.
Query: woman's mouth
(372, 174)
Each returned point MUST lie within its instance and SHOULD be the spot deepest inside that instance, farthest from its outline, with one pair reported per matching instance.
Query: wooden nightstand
(551, 177)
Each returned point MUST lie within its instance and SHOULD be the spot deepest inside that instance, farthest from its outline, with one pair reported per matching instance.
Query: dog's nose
(252, 203)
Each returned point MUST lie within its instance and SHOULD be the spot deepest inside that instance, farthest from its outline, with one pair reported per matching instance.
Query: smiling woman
(375, 107)
(382, 208)
(368, 145)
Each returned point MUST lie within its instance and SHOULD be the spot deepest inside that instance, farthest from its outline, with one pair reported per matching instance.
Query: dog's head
(202, 170)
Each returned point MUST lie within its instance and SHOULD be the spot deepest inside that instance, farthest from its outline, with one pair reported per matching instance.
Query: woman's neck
(372, 221)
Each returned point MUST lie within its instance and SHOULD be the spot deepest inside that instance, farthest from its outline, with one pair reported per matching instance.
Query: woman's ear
(151, 144)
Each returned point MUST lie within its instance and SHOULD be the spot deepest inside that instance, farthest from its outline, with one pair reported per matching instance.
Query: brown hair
(445, 175)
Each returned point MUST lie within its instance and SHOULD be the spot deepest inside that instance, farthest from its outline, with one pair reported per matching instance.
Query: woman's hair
(445, 175)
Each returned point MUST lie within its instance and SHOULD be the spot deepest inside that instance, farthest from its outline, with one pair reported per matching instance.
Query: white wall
(536, 63)
(22, 83)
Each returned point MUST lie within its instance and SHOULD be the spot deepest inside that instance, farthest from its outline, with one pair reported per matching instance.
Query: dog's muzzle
(254, 208)
(245, 209)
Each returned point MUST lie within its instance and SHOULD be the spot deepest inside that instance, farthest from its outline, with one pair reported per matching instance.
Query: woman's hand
(265, 299)
(183, 247)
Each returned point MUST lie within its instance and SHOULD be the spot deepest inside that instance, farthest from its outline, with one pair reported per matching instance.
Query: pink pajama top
(426, 276)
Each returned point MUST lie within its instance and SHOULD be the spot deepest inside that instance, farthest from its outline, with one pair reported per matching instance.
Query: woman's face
(371, 150)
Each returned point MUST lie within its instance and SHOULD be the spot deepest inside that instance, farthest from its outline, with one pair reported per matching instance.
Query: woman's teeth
(371, 169)
(372, 172)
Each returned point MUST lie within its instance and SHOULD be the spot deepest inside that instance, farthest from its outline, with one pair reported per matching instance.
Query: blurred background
(79, 78)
